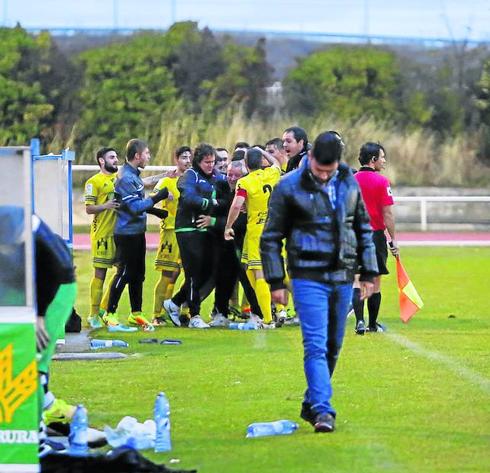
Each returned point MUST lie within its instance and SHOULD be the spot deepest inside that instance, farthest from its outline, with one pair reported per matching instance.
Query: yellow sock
(170, 291)
(251, 277)
(105, 299)
(279, 307)
(96, 287)
(160, 294)
(245, 302)
(264, 299)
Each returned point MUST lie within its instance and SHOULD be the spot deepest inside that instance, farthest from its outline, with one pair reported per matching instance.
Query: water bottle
(78, 437)
(279, 427)
(162, 421)
(96, 343)
(243, 326)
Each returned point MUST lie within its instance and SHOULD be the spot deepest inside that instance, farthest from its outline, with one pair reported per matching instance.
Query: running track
(81, 241)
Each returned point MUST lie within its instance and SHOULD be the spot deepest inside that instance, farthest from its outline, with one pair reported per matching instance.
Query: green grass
(421, 408)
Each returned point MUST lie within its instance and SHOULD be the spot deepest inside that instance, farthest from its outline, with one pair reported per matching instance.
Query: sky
(451, 19)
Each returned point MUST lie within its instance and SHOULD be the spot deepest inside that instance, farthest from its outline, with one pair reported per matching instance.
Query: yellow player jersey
(169, 205)
(258, 186)
(98, 190)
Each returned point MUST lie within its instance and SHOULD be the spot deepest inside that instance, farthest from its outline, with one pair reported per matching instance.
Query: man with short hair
(320, 212)
(276, 148)
(100, 202)
(377, 195)
(295, 142)
(129, 235)
(254, 191)
(241, 146)
(222, 160)
(168, 261)
(196, 213)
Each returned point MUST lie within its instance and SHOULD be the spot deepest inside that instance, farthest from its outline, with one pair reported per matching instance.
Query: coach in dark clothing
(129, 232)
(319, 210)
(197, 197)
(295, 143)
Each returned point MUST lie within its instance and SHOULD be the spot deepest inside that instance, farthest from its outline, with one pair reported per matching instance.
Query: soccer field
(414, 399)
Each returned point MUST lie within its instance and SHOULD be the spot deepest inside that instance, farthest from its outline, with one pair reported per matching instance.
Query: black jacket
(322, 244)
(198, 196)
(295, 161)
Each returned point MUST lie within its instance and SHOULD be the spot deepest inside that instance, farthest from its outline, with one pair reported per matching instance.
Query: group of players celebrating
(213, 207)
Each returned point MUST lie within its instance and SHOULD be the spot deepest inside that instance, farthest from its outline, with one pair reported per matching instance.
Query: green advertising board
(19, 420)
(18, 398)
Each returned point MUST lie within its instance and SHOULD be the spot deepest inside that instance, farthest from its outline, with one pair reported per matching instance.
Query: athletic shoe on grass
(137, 318)
(60, 411)
(121, 328)
(197, 322)
(377, 328)
(234, 313)
(95, 321)
(269, 326)
(360, 327)
(172, 311)
(113, 325)
(292, 321)
(110, 319)
(219, 320)
(159, 321)
(281, 317)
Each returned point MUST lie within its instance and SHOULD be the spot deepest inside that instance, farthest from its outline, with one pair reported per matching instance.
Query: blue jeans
(322, 310)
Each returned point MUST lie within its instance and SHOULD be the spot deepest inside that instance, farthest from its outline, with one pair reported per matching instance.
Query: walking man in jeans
(319, 210)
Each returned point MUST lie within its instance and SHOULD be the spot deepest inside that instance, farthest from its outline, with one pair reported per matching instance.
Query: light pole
(5, 12)
(366, 20)
(115, 12)
(173, 11)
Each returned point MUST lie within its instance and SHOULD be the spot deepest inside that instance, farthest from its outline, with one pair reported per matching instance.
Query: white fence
(422, 200)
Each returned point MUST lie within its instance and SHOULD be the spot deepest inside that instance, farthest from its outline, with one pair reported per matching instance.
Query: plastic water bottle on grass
(279, 427)
(95, 343)
(243, 326)
(162, 421)
(78, 437)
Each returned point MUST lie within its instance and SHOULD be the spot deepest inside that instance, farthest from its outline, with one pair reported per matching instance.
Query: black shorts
(379, 240)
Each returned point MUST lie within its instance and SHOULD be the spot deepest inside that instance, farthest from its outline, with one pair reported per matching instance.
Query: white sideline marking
(445, 243)
(450, 363)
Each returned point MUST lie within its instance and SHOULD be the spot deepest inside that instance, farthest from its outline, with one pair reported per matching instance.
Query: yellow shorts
(251, 248)
(103, 252)
(168, 256)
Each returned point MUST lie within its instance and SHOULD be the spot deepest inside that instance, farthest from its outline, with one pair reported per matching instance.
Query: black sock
(373, 304)
(357, 304)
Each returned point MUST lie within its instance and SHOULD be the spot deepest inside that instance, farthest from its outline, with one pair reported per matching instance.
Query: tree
(24, 109)
(483, 105)
(244, 79)
(125, 89)
(196, 59)
(348, 82)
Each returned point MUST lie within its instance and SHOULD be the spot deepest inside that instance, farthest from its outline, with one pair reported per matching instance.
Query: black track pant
(130, 260)
(227, 270)
(196, 253)
(228, 267)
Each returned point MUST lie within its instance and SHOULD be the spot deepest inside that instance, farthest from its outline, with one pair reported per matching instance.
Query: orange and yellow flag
(410, 301)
